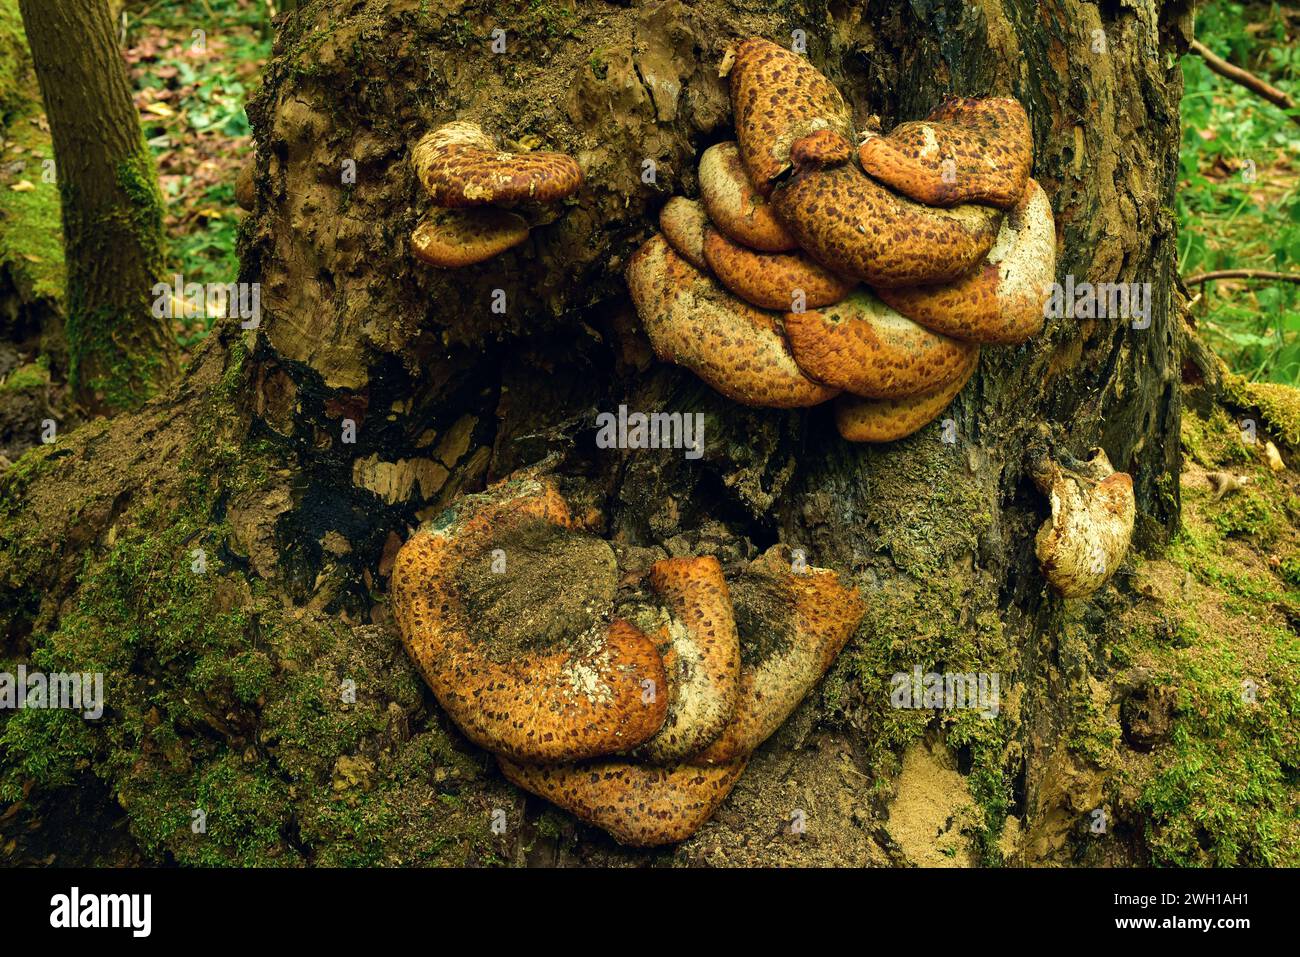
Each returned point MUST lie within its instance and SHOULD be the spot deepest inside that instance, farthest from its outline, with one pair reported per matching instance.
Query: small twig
(1247, 79)
(1241, 274)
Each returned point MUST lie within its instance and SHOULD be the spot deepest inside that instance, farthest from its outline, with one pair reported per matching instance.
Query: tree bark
(298, 455)
(119, 351)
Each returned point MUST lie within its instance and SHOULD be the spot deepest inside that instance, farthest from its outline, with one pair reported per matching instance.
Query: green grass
(1238, 206)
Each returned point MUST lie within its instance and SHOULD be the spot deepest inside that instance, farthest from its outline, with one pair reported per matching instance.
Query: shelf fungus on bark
(850, 223)
(966, 151)
(1001, 302)
(864, 347)
(772, 280)
(461, 166)
(697, 640)
(683, 221)
(735, 206)
(778, 97)
(887, 420)
(1087, 536)
(736, 348)
(549, 691)
(452, 238)
(793, 624)
(640, 805)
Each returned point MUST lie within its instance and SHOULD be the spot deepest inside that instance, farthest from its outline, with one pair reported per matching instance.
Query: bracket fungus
(1002, 301)
(778, 97)
(468, 177)
(940, 220)
(692, 321)
(1087, 536)
(641, 729)
(564, 700)
(966, 151)
(735, 206)
(772, 280)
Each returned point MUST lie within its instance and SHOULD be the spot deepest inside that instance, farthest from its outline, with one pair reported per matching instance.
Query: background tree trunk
(248, 460)
(119, 351)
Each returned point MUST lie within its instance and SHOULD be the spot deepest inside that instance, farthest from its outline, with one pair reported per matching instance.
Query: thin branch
(1241, 274)
(1237, 75)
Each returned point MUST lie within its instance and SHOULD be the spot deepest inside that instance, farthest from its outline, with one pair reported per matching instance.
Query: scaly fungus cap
(581, 700)
(640, 805)
(967, 151)
(792, 627)
(692, 321)
(887, 420)
(734, 206)
(452, 238)
(461, 166)
(778, 97)
(1083, 543)
(701, 654)
(1002, 300)
(864, 347)
(854, 226)
(683, 222)
(772, 280)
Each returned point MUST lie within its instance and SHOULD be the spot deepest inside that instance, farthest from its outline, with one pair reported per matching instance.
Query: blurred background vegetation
(1238, 205)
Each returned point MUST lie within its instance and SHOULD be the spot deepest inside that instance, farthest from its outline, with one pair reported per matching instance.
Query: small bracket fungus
(733, 204)
(1093, 510)
(452, 238)
(692, 321)
(566, 700)
(864, 347)
(792, 626)
(772, 280)
(965, 151)
(460, 166)
(1002, 301)
(778, 97)
(823, 148)
(887, 420)
(683, 222)
(850, 223)
(640, 805)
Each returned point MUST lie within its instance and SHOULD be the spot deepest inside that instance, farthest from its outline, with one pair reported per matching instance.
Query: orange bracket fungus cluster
(631, 700)
(810, 270)
(475, 186)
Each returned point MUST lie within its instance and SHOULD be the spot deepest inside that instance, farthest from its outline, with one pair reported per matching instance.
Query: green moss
(1213, 441)
(1278, 404)
(33, 375)
(1247, 513)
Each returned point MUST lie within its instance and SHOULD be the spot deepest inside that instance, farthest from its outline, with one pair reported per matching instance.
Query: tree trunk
(298, 455)
(119, 351)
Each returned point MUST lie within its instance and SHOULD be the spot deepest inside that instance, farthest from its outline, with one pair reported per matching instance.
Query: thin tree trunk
(119, 351)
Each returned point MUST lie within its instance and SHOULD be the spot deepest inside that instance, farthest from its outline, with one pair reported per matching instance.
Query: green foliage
(1237, 202)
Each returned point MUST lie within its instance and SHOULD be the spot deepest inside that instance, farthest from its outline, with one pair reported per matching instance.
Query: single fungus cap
(887, 420)
(692, 321)
(854, 226)
(1083, 543)
(792, 625)
(452, 238)
(460, 166)
(967, 151)
(640, 805)
(773, 280)
(683, 222)
(734, 206)
(701, 653)
(864, 347)
(579, 700)
(1002, 300)
(822, 148)
(778, 97)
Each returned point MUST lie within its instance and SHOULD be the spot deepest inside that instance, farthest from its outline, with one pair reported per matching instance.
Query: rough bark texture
(248, 459)
(112, 211)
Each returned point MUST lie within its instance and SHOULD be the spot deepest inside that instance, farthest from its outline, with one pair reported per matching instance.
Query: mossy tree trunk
(120, 352)
(377, 389)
